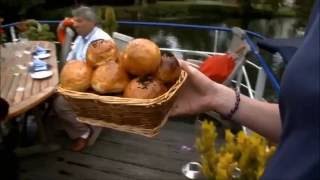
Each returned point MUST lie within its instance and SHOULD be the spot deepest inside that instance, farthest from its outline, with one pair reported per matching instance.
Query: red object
(61, 34)
(218, 67)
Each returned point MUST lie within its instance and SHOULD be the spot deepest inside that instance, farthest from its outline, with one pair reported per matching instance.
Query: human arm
(200, 94)
(72, 54)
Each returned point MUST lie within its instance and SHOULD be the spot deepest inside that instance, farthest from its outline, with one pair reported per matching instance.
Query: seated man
(85, 24)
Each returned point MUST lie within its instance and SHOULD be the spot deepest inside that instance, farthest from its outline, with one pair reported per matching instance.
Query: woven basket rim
(126, 128)
(122, 100)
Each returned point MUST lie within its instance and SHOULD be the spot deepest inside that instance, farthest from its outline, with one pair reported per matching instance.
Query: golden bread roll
(141, 57)
(101, 51)
(76, 75)
(144, 88)
(109, 78)
(169, 69)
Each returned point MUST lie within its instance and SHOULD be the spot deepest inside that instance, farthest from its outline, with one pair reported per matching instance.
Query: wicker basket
(139, 116)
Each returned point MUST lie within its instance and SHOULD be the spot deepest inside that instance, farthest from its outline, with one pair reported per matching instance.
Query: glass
(192, 170)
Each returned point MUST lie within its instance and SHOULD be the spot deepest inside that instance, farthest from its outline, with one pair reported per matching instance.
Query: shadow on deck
(118, 156)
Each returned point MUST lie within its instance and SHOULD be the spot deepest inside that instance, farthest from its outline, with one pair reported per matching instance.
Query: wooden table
(17, 87)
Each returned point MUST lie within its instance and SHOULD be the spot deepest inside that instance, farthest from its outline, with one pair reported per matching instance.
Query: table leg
(45, 146)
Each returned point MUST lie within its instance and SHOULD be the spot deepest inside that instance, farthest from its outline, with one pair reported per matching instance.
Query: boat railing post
(260, 84)
(13, 34)
(247, 80)
(239, 78)
(216, 39)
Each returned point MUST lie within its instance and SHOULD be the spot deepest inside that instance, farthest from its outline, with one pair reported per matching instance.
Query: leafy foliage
(33, 30)
(108, 19)
(304, 7)
(247, 5)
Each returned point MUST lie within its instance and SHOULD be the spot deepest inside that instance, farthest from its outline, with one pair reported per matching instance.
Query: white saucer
(41, 74)
(42, 56)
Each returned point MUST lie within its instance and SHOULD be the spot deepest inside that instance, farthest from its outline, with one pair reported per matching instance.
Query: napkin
(40, 50)
(39, 65)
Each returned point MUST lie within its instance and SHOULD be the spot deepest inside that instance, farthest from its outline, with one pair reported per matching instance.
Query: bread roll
(76, 75)
(109, 78)
(101, 51)
(141, 57)
(169, 69)
(144, 88)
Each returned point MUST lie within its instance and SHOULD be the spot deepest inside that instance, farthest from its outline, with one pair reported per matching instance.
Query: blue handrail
(268, 71)
(162, 24)
(193, 26)
(274, 81)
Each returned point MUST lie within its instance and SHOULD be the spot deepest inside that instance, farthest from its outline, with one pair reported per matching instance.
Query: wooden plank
(168, 143)
(28, 80)
(6, 75)
(172, 133)
(3, 73)
(7, 84)
(28, 88)
(110, 168)
(31, 102)
(180, 151)
(41, 175)
(163, 153)
(54, 166)
(35, 87)
(117, 156)
(44, 84)
(55, 77)
(149, 158)
(22, 84)
(13, 87)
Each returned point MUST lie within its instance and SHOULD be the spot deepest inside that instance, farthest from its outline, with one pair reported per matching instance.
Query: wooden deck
(118, 156)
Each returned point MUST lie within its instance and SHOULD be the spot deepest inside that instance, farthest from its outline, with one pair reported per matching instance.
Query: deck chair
(121, 39)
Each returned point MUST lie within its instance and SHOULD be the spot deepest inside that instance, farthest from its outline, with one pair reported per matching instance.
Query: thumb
(194, 74)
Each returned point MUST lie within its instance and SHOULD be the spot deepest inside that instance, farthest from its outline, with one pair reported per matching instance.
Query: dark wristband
(235, 107)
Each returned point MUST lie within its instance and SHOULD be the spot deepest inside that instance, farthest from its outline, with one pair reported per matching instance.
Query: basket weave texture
(140, 116)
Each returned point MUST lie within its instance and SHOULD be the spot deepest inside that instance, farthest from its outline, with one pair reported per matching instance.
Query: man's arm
(72, 53)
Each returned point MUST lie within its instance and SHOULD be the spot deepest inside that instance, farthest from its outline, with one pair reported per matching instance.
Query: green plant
(108, 19)
(241, 157)
(33, 30)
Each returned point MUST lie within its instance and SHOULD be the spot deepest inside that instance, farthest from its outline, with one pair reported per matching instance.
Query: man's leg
(74, 128)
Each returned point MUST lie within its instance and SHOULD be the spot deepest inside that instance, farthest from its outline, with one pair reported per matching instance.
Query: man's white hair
(85, 12)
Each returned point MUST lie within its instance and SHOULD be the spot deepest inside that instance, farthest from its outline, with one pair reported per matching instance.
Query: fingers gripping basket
(139, 116)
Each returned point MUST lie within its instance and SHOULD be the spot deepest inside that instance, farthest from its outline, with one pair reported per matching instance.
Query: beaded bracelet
(236, 105)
